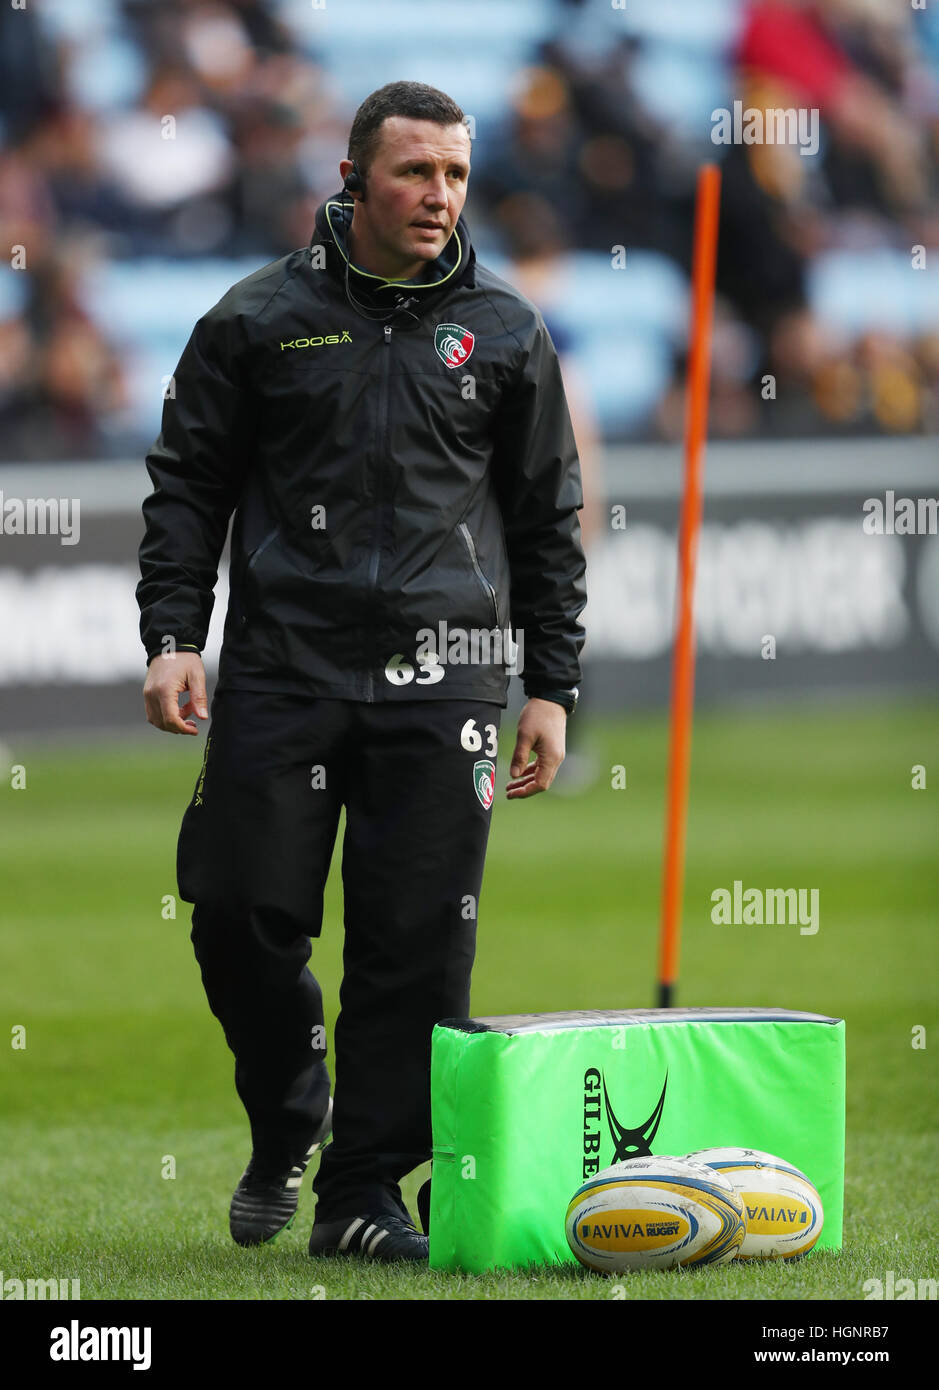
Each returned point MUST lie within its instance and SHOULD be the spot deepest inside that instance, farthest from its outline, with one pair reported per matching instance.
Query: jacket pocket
(487, 586)
(249, 595)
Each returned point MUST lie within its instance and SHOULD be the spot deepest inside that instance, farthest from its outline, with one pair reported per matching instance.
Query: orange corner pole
(699, 375)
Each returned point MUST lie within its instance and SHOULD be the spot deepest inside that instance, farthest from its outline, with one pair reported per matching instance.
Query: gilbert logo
(453, 343)
(627, 1143)
(484, 777)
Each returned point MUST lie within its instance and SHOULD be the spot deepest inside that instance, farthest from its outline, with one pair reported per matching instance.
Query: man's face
(415, 191)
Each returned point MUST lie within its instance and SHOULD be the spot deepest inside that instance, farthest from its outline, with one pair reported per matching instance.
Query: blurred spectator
(873, 185)
(62, 392)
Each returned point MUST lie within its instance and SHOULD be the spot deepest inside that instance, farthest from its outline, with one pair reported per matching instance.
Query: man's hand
(542, 727)
(167, 676)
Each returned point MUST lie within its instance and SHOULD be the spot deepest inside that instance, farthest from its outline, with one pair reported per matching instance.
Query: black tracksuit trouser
(417, 780)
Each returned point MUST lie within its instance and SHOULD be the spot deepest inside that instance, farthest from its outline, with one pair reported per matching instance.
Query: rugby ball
(782, 1209)
(654, 1213)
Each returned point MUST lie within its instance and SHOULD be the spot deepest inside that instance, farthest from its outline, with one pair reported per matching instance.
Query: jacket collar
(454, 266)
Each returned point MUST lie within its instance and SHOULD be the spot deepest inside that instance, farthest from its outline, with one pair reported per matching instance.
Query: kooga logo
(326, 340)
(627, 1143)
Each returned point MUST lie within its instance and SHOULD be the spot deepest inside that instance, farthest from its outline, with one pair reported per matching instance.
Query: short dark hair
(415, 100)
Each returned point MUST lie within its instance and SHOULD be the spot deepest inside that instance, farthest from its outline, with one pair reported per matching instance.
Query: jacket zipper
(372, 584)
(467, 536)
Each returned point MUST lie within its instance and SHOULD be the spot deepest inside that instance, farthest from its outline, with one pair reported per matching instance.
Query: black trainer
(265, 1200)
(383, 1237)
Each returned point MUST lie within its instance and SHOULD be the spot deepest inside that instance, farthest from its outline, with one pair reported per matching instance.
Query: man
(386, 420)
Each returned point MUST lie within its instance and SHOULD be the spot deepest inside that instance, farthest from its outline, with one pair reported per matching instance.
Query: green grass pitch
(124, 1066)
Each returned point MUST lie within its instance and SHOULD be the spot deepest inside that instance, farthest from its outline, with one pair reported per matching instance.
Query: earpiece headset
(354, 182)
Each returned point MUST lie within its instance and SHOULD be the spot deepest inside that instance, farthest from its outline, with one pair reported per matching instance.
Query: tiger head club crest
(453, 343)
(484, 780)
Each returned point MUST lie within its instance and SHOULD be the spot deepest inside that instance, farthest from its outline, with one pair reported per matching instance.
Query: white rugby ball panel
(782, 1209)
(727, 1159)
(654, 1214)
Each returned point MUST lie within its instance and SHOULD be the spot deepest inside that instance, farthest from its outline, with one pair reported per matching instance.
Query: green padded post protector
(526, 1107)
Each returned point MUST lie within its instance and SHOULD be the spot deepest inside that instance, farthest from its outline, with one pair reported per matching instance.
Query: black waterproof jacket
(389, 480)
